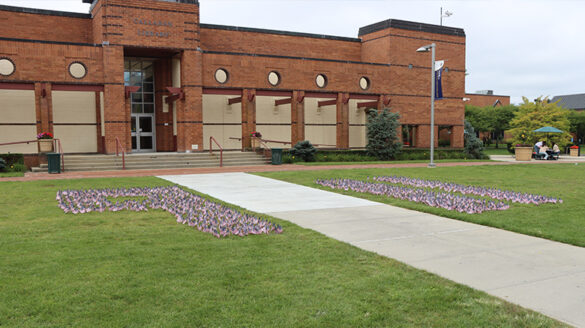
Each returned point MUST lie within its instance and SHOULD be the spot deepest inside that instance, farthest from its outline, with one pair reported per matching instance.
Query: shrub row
(12, 163)
(362, 156)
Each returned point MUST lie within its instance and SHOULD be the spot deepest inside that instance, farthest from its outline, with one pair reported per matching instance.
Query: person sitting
(543, 150)
(555, 151)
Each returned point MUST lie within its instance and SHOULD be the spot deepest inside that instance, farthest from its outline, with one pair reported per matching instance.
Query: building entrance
(140, 73)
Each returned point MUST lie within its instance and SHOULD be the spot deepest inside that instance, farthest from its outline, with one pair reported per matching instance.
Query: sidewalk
(542, 275)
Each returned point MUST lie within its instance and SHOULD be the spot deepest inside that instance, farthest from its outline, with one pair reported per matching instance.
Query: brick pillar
(457, 136)
(342, 121)
(297, 117)
(248, 116)
(116, 112)
(190, 109)
(44, 107)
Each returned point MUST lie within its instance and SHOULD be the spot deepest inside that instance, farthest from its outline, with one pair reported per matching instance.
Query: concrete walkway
(538, 274)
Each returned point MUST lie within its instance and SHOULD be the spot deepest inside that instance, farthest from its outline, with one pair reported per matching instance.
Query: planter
(523, 154)
(45, 145)
(255, 142)
(574, 152)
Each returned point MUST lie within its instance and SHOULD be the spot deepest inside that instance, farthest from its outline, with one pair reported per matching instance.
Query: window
(7, 67)
(274, 78)
(221, 75)
(364, 83)
(77, 70)
(321, 80)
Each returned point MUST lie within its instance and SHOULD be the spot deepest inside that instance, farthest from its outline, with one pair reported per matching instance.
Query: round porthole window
(77, 70)
(274, 78)
(221, 75)
(364, 83)
(321, 80)
(7, 67)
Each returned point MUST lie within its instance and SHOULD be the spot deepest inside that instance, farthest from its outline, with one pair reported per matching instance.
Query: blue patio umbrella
(548, 129)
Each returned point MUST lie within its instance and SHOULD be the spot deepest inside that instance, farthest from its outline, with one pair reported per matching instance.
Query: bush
(382, 131)
(2, 165)
(11, 159)
(473, 146)
(304, 150)
(17, 167)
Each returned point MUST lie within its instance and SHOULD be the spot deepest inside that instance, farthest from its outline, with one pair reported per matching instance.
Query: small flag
(439, 64)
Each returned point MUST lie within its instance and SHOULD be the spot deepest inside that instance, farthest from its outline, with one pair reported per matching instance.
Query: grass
(497, 151)
(391, 162)
(129, 269)
(561, 222)
(11, 174)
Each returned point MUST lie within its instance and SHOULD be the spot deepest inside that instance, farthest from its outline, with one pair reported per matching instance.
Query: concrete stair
(148, 161)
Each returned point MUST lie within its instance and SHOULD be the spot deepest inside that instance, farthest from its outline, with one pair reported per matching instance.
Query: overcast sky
(516, 48)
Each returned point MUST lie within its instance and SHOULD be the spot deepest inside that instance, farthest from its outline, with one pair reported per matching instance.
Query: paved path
(539, 274)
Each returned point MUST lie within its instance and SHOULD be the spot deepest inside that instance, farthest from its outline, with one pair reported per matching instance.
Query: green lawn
(11, 174)
(562, 222)
(502, 150)
(129, 269)
(391, 162)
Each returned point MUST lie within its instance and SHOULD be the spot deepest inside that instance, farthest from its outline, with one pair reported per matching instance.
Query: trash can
(276, 156)
(54, 161)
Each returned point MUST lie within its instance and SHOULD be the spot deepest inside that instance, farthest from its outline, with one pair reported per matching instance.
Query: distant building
(484, 98)
(575, 101)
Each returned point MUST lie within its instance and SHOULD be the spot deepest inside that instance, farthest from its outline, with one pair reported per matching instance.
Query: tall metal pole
(441, 16)
(432, 164)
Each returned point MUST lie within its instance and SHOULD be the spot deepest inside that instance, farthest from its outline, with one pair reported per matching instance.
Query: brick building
(486, 98)
(147, 73)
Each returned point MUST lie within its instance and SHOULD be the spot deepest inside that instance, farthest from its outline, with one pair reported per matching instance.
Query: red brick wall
(486, 100)
(282, 45)
(129, 22)
(45, 27)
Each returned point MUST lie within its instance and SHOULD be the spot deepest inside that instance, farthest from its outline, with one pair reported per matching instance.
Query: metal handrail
(282, 142)
(220, 150)
(119, 145)
(55, 143)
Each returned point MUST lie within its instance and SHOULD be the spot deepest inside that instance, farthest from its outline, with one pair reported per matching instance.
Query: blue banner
(438, 75)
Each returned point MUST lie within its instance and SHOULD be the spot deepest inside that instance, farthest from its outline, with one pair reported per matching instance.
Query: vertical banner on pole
(439, 64)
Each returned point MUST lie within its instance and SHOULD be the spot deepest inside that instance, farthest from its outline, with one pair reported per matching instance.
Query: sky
(514, 47)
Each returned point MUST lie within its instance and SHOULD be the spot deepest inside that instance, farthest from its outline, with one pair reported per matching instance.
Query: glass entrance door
(142, 132)
(140, 72)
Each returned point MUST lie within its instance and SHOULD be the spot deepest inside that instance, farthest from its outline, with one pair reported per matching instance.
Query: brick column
(297, 117)
(248, 116)
(190, 109)
(44, 107)
(457, 140)
(342, 121)
(116, 112)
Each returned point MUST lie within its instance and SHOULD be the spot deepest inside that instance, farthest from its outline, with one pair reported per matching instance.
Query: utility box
(276, 156)
(54, 162)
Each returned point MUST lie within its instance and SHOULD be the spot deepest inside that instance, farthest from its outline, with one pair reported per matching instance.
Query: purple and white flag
(439, 64)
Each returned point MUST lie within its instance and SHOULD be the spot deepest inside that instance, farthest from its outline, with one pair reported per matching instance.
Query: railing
(119, 146)
(281, 142)
(220, 150)
(55, 143)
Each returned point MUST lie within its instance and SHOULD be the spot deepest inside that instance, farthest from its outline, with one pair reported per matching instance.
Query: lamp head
(423, 49)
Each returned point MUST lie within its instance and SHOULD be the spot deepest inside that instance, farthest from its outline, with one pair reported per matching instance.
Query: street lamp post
(431, 47)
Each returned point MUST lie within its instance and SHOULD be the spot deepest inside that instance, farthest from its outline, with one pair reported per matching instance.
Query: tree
(382, 131)
(473, 146)
(577, 120)
(494, 120)
(534, 115)
(502, 118)
(480, 118)
(304, 150)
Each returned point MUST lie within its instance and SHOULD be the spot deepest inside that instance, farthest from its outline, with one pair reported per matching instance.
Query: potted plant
(45, 142)
(574, 151)
(256, 139)
(523, 151)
